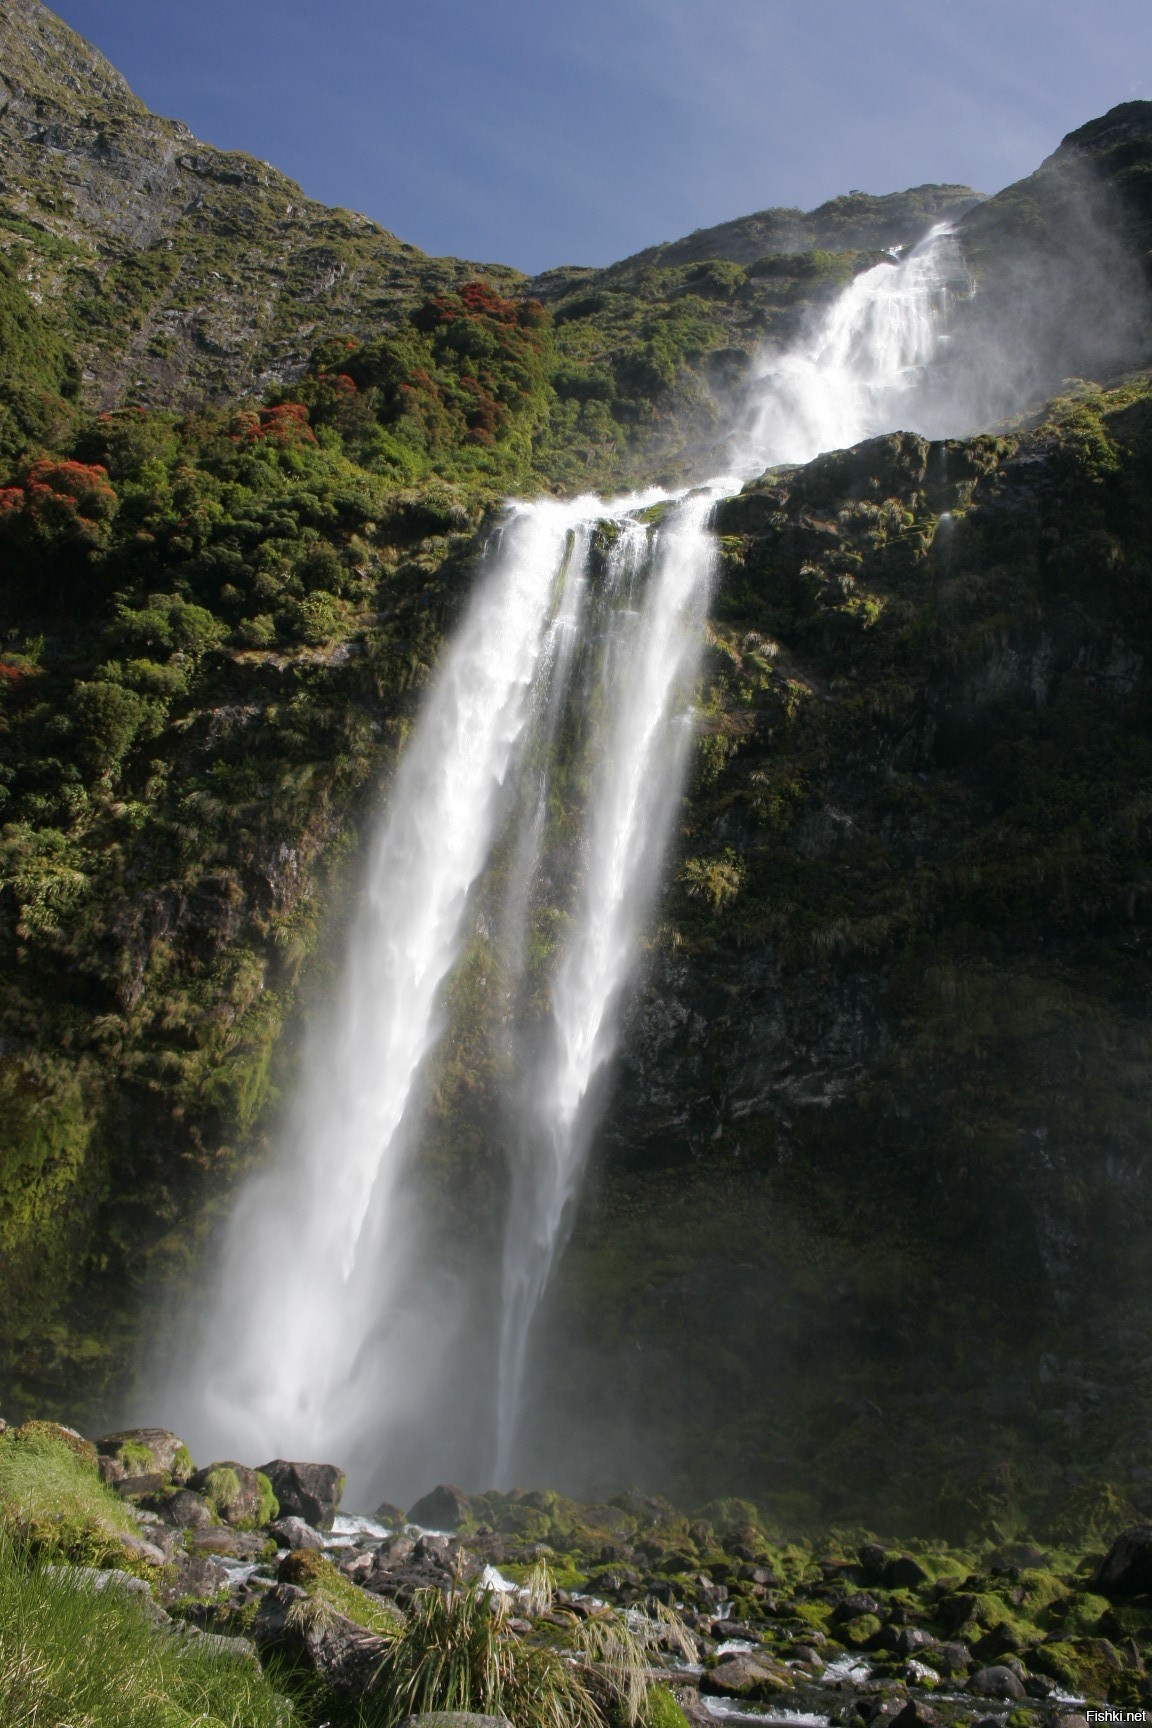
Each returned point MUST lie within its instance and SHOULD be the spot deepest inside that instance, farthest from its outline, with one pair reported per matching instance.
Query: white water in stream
(576, 661)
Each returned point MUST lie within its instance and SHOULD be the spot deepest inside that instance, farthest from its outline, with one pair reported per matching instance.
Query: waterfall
(585, 631)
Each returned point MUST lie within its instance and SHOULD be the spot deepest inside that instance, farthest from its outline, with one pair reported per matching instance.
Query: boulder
(997, 1682)
(228, 1649)
(193, 1575)
(909, 1639)
(453, 1719)
(241, 1496)
(953, 1657)
(294, 1533)
(139, 1487)
(1126, 1569)
(139, 1451)
(344, 1655)
(139, 1549)
(231, 1544)
(184, 1510)
(445, 1508)
(903, 1573)
(308, 1491)
(747, 1675)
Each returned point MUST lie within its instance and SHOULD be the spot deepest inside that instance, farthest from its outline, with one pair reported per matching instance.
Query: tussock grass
(72, 1657)
(52, 1499)
(455, 1653)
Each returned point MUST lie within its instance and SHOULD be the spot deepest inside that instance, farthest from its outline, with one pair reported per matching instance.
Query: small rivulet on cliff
(868, 1230)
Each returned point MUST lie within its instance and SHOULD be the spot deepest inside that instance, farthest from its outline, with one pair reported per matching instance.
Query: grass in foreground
(73, 1657)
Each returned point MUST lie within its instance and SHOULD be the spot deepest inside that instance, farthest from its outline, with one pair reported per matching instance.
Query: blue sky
(542, 132)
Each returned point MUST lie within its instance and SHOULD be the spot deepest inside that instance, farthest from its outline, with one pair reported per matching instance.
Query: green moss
(315, 1573)
(661, 1710)
(52, 1499)
(269, 1505)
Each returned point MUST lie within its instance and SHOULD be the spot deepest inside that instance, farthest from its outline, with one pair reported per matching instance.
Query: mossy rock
(860, 1632)
(242, 1497)
(55, 1434)
(661, 1710)
(1085, 1665)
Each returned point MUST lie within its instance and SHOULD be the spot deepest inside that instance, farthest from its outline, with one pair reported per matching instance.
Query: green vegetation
(72, 1654)
(52, 1501)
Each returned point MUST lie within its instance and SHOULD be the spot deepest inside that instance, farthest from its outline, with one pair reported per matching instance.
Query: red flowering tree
(59, 503)
(283, 426)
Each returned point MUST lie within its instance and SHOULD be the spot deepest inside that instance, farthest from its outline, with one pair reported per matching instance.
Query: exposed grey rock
(445, 1508)
(184, 1510)
(140, 1549)
(744, 1675)
(241, 1650)
(295, 1533)
(193, 1575)
(233, 1544)
(997, 1682)
(308, 1491)
(453, 1719)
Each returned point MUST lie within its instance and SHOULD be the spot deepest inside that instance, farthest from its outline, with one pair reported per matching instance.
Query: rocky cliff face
(879, 1120)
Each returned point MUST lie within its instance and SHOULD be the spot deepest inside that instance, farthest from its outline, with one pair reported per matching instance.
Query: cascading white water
(648, 673)
(322, 1252)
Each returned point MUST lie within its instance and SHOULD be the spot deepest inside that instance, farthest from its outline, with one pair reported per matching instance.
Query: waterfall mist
(551, 748)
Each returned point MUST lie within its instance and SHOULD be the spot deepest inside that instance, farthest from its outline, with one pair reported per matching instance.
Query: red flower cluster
(282, 426)
(55, 493)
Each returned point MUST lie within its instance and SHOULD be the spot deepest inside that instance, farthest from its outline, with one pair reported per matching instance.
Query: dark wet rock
(745, 1674)
(294, 1533)
(1126, 1569)
(860, 1602)
(445, 1508)
(1016, 1556)
(308, 1491)
(344, 1655)
(725, 1631)
(872, 1559)
(916, 1714)
(453, 1719)
(233, 1489)
(184, 1510)
(999, 1640)
(139, 1451)
(192, 1575)
(953, 1657)
(997, 1682)
(394, 1516)
(140, 1487)
(903, 1573)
